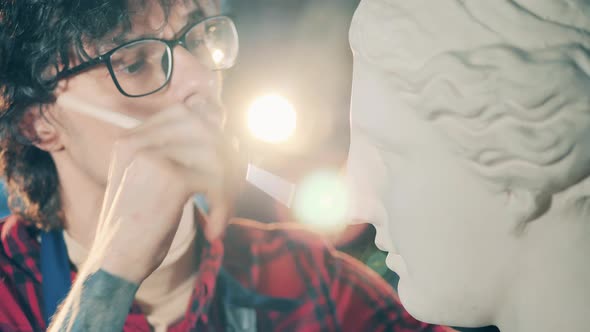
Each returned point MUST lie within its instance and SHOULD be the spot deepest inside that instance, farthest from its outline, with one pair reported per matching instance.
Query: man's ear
(39, 126)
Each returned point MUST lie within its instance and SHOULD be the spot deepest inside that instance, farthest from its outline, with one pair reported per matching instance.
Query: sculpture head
(470, 144)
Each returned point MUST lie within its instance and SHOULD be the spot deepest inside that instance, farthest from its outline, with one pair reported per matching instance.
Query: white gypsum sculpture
(470, 153)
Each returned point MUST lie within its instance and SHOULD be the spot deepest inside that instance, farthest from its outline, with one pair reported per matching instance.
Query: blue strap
(55, 269)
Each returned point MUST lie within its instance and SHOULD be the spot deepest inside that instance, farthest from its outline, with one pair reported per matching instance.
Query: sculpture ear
(526, 206)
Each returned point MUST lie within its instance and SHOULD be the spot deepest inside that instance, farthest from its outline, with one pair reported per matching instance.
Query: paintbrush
(276, 187)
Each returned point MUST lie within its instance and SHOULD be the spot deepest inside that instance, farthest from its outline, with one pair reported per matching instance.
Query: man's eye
(134, 67)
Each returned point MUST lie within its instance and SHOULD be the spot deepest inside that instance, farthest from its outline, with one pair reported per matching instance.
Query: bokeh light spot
(322, 200)
(272, 118)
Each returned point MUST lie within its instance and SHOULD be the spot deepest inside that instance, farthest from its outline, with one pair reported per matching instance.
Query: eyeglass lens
(145, 66)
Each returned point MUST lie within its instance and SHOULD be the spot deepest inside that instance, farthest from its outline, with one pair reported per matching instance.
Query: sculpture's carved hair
(512, 92)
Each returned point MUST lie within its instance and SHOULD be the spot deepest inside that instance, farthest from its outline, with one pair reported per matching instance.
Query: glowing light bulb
(272, 119)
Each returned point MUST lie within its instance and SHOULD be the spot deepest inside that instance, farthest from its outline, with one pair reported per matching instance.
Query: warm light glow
(218, 56)
(272, 119)
(322, 201)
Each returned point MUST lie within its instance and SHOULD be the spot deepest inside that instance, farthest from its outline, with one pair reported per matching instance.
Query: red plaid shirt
(335, 292)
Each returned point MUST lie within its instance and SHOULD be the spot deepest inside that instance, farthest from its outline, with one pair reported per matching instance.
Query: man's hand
(155, 169)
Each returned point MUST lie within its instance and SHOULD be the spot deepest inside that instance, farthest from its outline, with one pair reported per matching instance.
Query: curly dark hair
(37, 37)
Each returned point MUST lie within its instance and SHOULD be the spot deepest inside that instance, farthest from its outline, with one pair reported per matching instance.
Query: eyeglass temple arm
(86, 65)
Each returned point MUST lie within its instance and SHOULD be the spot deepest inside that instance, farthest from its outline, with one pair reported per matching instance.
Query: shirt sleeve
(365, 302)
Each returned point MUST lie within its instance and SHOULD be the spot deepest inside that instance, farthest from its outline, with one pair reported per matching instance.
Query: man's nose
(190, 77)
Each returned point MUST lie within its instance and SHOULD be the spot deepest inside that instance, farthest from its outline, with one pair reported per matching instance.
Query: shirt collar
(20, 242)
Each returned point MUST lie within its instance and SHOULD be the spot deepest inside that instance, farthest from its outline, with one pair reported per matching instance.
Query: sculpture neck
(551, 289)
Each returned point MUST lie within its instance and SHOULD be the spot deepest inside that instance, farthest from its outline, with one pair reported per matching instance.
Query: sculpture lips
(380, 241)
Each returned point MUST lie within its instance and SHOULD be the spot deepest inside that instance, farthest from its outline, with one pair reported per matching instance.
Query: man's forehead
(148, 18)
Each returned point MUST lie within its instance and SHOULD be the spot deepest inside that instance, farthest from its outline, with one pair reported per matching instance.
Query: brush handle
(120, 120)
(274, 186)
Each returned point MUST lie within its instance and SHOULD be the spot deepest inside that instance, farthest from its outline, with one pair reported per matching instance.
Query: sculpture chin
(397, 264)
(380, 245)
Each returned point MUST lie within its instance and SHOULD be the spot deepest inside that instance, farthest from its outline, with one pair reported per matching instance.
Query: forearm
(100, 302)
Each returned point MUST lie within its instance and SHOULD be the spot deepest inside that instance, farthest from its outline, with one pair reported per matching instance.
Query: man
(141, 257)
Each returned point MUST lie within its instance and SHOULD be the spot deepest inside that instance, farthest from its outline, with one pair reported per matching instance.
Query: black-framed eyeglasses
(144, 66)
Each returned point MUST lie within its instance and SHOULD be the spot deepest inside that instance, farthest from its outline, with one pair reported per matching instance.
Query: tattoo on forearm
(102, 305)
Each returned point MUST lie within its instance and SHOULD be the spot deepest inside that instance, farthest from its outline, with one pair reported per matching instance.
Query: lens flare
(218, 56)
(322, 201)
(272, 119)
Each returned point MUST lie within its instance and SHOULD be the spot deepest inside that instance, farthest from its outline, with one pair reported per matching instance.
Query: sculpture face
(443, 222)
(469, 120)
